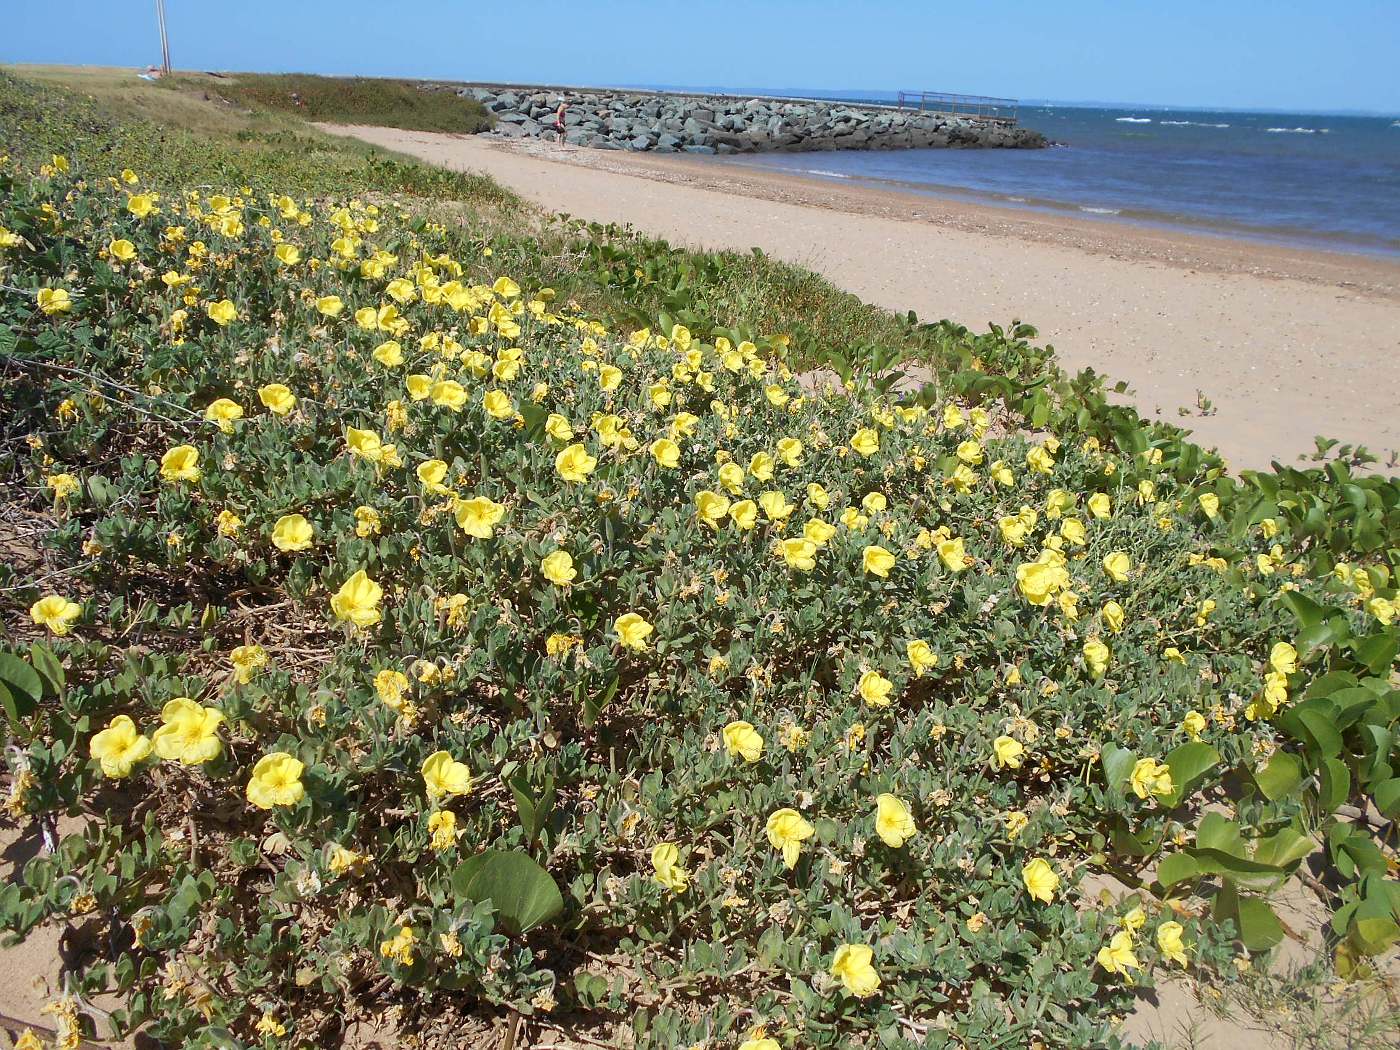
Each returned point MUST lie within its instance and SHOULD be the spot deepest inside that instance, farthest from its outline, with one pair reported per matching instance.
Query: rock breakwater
(666, 123)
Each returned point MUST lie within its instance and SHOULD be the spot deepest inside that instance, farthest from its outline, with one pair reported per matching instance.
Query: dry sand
(1285, 343)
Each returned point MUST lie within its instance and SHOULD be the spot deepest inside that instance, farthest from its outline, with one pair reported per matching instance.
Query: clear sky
(1282, 54)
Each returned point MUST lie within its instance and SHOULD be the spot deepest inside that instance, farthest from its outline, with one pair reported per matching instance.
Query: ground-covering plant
(408, 639)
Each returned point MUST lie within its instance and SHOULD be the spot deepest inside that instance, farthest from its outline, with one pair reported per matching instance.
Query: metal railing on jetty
(983, 108)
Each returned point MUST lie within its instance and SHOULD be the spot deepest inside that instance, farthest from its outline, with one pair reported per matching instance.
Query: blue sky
(1282, 54)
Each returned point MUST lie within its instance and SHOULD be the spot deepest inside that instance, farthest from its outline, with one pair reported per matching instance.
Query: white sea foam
(1133, 120)
(828, 174)
(1098, 211)
(1297, 131)
(1192, 124)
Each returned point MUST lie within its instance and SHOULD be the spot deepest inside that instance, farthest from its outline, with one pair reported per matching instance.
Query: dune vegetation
(425, 616)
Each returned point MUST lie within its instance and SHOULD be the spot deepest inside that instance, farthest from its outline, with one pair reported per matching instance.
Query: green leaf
(1189, 764)
(1117, 764)
(1374, 934)
(1311, 724)
(48, 666)
(1386, 796)
(1333, 784)
(1376, 652)
(1251, 874)
(1284, 848)
(23, 687)
(1177, 867)
(523, 893)
(1259, 926)
(593, 706)
(1281, 776)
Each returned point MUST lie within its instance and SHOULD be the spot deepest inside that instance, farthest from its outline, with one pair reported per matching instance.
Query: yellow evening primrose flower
(666, 868)
(761, 466)
(277, 398)
(787, 831)
(189, 732)
(367, 522)
(478, 516)
(1072, 529)
(276, 781)
(754, 1043)
(877, 561)
(632, 631)
(1209, 503)
(1100, 506)
(744, 514)
(357, 601)
(399, 948)
(444, 776)
(666, 452)
(54, 301)
(874, 688)
(776, 506)
(1040, 460)
(62, 486)
(574, 463)
(799, 553)
(711, 507)
(743, 740)
(953, 554)
(442, 830)
(431, 474)
(222, 312)
(1008, 753)
(340, 860)
(287, 254)
(1117, 955)
(388, 353)
(141, 204)
(852, 964)
(119, 747)
(1170, 943)
(1112, 616)
(498, 404)
(1117, 565)
(609, 378)
(55, 613)
(1194, 724)
(558, 568)
(1039, 581)
(451, 395)
(558, 427)
(329, 305)
(121, 249)
(1040, 880)
(866, 441)
(223, 412)
(1150, 777)
(293, 533)
(1283, 658)
(921, 656)
(419, 387)
(247, 660)
(893, 821)
(818, 496)
(365, 444)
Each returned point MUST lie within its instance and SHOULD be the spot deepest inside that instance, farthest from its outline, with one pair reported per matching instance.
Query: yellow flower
(442, 827)
(558, 568)
(1039, 581)
(866, 441)
(54, 301)
(731, 478)
(119, 747)
(141, 204)
(776, 506)
(632, 631)
(893, 821)
(444, 776)
(921, 656)
(666, 869)
(1112, 615)
(62, 485)
(557, 427)
(121, 249)
(388, 353)
(478, 516)
(817, 496)
(224, 412)
(744, 514)
(1040, 880)
(431, 473)
(799, 553)
(449, 394)
(790, 450)
(878, 561)
(498, 405)
(365, 444)
(1040, 460)
(1283, 658)
(189, 732)
(852, 964)
(1096, 657)
(741, 739)
(420, 387)
(340, 860)
(953, 555)
(276, 781)
(710, 507)
(1008, 753)
(1117, 566)
(574, 463)
(292, 533)
(506, 288)
(1194, 724)
(1150, 777)
(277, 398)
(1210, 504)
(330, 305)
(666, 452)
(287, 254)
(761, 466)
(875, 689)
(755, 1043)
(399, 947)
(367, 522)
(1117, 955)
(1072, 529)
(787, 831)
(1170, 943)
(56, 613)
(246, 660)
(358, 600)
(222, 312)
(1100, 506)
(609, 377)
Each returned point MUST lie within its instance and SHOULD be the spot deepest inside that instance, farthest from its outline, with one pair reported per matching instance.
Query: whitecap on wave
(1098, 211)
(1133, 120)
(828, 174)
(1297, 131)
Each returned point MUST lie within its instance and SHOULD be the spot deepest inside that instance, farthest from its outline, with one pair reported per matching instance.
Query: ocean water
(1319, 181)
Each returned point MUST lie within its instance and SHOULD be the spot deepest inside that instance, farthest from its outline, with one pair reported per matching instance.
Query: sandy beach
(1284, 343)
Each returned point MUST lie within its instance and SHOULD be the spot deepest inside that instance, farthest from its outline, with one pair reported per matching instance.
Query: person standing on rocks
(559, 119)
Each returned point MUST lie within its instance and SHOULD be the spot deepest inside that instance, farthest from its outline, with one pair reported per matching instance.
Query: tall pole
(164, 38)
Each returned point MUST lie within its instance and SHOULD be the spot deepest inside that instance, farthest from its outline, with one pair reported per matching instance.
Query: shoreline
(1254, 348)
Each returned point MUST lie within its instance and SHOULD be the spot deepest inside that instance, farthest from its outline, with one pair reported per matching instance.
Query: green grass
(346, 100)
